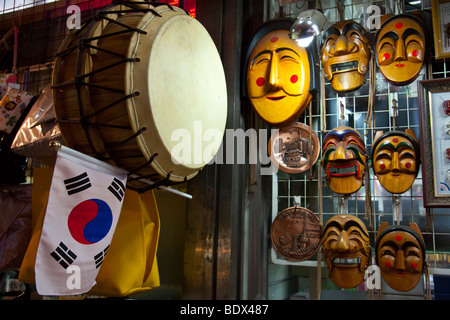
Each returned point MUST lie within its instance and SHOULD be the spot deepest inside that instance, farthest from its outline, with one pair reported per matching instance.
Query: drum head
(182, 99)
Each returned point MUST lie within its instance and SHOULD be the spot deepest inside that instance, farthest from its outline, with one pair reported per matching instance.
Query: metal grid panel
(289, 189)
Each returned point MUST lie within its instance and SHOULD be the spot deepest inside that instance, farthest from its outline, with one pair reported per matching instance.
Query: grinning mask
(400, 254)
(346, 250)
(344, 160)
(400, 46)
(395, 159)
(345, 55)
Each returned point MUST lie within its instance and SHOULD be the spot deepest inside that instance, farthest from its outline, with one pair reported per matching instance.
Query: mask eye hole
(333, 234)
(387, 253)
(411, 253)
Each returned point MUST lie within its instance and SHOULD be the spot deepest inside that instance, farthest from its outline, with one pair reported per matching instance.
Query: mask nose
(274, 81)
(343, 46)
(400, 50)
(340, 153)
(395, 162)
(400, 260)
(343, 244)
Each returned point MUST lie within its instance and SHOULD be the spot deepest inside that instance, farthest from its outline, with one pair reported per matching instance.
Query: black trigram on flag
(99, 257)
(117, 189)
(77, 184)
(63, 255)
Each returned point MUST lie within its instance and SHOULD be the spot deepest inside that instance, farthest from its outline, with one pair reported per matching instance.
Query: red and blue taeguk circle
(90, 221)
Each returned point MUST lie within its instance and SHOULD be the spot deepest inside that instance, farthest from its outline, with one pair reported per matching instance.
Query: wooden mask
(346, 250)
(344, 160)
(345, 55)
(400, 47)
(278, 78)
(400, 254)
(395, 159)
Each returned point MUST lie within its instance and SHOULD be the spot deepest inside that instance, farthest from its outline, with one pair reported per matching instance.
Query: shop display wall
(285, 277)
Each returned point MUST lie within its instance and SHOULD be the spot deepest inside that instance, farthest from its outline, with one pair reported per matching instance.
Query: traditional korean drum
(137, 87)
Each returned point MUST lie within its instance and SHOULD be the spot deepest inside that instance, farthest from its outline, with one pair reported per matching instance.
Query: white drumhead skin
(182, 87)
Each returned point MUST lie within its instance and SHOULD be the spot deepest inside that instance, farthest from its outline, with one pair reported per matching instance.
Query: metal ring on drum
(130, 78)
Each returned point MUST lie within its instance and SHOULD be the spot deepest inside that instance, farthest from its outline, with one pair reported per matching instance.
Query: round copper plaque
(296, 233)
(294, 148)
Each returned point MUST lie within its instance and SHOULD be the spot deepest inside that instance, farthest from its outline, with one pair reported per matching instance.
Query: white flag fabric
(84, 205)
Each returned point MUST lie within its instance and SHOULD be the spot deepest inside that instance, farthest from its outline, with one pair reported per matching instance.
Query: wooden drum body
(125, 82)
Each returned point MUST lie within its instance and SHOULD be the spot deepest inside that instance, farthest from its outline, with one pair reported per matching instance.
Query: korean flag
(84, 205)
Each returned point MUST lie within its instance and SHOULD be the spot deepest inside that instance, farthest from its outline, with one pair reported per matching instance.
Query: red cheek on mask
(294, 78)
(260, 81)
(414, 265)
(387, 264)
(408, 165)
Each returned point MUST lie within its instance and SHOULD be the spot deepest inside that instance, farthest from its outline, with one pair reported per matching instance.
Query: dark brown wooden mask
(400, 254)
(346, 250)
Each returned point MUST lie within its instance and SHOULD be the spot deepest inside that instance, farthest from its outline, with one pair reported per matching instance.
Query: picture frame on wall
(441, 27)
(434, 120)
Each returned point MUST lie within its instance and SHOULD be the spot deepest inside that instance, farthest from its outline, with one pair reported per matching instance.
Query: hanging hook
(342, 203)
(340, 8)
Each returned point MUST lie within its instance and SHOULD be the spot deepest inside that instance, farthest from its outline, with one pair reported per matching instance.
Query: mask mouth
(346, 262)
(276, 98)
(344, 67)
(396, 173)
(343, 171)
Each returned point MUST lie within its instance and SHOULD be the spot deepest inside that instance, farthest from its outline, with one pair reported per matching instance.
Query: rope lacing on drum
(79, 81)
(162, 182)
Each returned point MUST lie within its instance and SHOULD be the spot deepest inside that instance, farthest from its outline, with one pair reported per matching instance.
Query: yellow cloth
(130, 265)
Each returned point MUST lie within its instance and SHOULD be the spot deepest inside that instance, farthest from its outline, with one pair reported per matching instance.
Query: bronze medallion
(296, 233)
(294, 148)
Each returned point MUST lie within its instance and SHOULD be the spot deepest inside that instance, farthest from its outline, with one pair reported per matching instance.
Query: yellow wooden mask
(395, 159)
(345, 55)
(344, 160)
(278, 78)
(400, 254)
(400, 46)
(346, 250)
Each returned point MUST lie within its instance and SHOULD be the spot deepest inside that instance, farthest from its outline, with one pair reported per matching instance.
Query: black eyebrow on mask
(260, 54)
(390, 34)
(392, 244)
(330, 31)
(347, 226)
(353, 26)
(389, 243)
(409, 32)
(286, 49)
(409, 244)
(277, 51)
